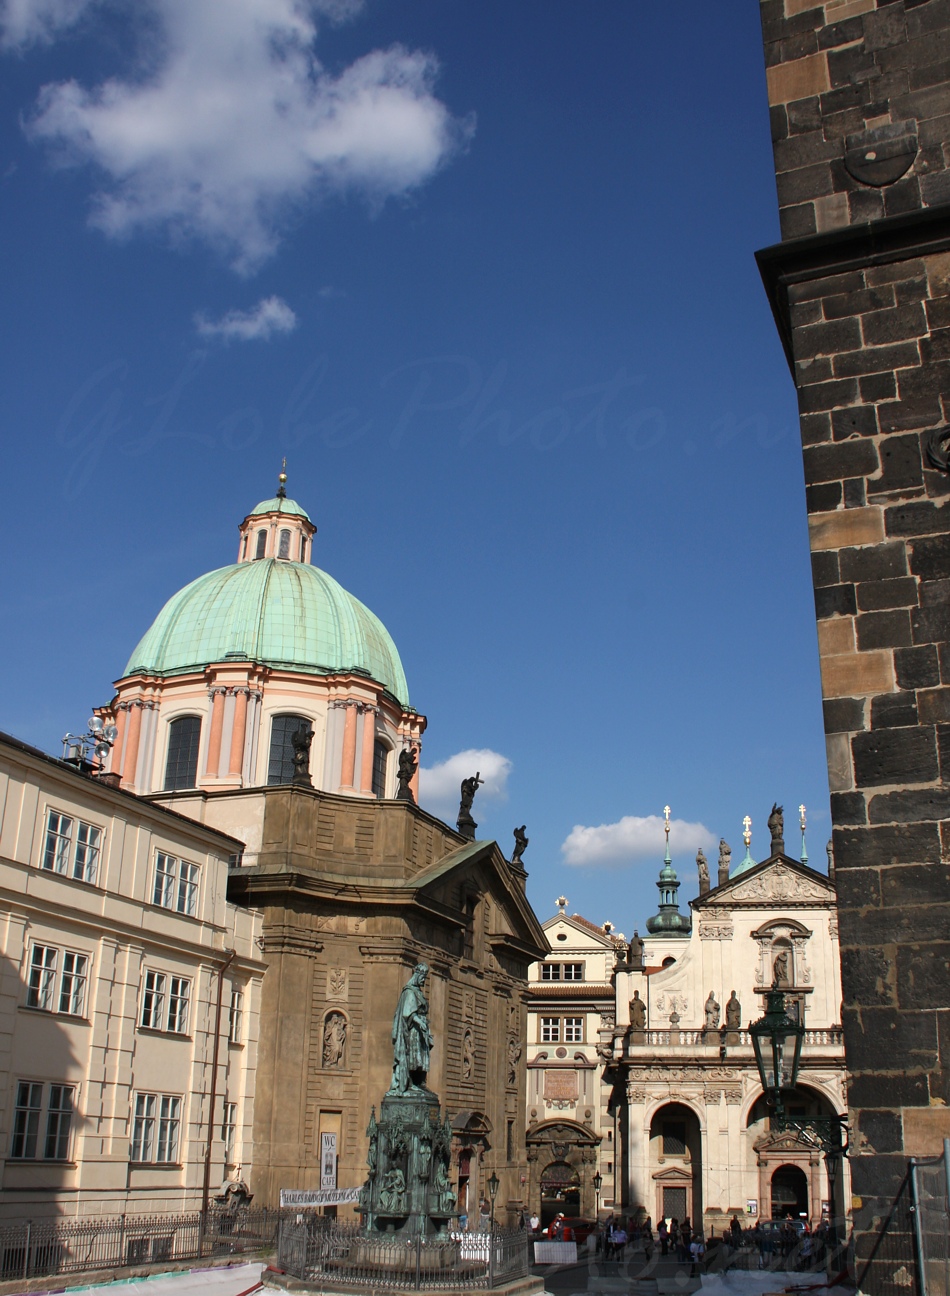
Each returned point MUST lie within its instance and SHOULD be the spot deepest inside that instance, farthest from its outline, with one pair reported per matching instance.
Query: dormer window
(283, 550)
(261, 544)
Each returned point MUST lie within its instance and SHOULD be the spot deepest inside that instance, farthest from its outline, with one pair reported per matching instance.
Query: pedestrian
(534, 1222)
(663, 1234)
(697, 1250)
(618, 1241)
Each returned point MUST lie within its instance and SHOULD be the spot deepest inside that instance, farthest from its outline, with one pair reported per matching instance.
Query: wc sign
(327, 1160)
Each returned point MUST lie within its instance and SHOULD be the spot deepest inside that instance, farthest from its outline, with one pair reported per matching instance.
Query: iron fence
(930, 1181)
(327, 1254)
(40, 1248)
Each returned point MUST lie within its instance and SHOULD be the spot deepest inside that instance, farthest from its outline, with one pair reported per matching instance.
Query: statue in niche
(300, 740)
(725, 861)
(521, 844)
(702, 868)
(514, 1057)
(412, 1039)
(424, 1158)
(468, 1056)
(465, 823)
(405, 773)
(638, 1012)
(372, 1156)
(392, 1195)
(443, 1189)
(733, 1013)
(334, 1040)
(777, 829)
(780, 969)
(711, 1011)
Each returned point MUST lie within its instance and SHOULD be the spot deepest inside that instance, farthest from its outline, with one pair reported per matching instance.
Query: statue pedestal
(408, 1189)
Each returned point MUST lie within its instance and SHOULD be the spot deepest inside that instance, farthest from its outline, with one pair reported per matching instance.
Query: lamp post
(777, 1043)
(492, 1194)
(598, 1184)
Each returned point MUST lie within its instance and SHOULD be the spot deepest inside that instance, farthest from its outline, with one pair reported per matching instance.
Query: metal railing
(327, 1254)
(39, 1248)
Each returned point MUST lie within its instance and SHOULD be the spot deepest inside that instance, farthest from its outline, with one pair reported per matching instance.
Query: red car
(578, 1230)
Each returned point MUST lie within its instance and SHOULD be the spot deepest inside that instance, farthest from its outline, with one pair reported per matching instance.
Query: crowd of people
(786, 1244)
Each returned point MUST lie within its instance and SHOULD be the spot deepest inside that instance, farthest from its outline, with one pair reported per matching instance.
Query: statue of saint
(468, 1056)
(521, 845)
(725, 861)
(465, 823)
(733, 1013)
(334, 1040)
(443, 1188)
(412, 1039)
(638, 1012)
(711, 1010)
(393, 1192)
(777, 829)
(702, 868)
(635, 950)
(780, 969)
(405, 774)
(300, 740)
(514, 1057)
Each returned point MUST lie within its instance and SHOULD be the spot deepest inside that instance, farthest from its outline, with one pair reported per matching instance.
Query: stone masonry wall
(859, 94)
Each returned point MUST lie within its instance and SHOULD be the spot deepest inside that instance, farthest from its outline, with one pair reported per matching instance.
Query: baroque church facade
(268, 703)
(640, 1062)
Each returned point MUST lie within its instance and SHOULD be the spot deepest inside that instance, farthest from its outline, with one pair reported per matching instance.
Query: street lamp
(492, 1194)
(777, 1042)
(598, 1184)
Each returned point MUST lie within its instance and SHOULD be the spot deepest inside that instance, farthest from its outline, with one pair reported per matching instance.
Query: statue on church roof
(777, 829)
(702, 868)
(733, 1013)
(725, 861)
(465, 823)
(711, 1012)
(405, 774)
(521, 844)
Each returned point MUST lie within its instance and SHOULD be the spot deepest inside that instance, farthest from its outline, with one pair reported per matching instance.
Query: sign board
(328, 1160)
(318, 1196)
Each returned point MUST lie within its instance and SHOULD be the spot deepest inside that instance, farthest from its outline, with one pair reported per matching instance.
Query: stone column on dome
(348, 770)
(238, 731)
(369, 741)
(131, 756)
(214, 738)
(121, 720)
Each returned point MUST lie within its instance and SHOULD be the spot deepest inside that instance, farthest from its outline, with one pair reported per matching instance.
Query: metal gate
(930, 1192)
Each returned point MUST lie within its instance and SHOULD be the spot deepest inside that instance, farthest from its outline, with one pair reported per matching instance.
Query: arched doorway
(676, 1164)
(789, 1193)
(560, 1191)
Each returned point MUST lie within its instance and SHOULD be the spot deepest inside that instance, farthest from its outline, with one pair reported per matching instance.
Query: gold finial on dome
(282, 479)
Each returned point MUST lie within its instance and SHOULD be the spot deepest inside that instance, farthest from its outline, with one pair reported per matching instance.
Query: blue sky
(484, 273)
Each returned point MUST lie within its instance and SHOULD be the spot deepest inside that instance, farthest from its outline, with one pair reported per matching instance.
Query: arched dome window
(280, 767)
(380, 766)
(283, 550)
(181, 763)
(261, 544)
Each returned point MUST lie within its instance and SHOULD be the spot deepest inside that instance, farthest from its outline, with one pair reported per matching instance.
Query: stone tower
(859, 94)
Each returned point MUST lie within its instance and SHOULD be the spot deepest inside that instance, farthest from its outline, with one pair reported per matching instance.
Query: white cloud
(237, 125)
(439, 786)
(29, 22)
(269, 316)
(632, 840)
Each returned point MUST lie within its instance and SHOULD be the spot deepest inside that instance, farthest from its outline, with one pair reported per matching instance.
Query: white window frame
(166, 1002)
(156, 1128)
(229, 1131)
(236, 1017)
(572, 972)
(71, 847)
(550, 1030)
(33, 1099)
(573, 1030)
(57, 979)
(175, 884)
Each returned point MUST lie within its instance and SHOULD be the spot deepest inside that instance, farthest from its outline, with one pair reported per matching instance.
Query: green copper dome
(283, 614)
(280, 504)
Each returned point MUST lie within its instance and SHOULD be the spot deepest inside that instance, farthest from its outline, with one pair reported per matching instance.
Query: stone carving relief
(671, 1003)
(338, 983)
(833, 928)
(468, 1056)
(712, 1097)
(514, 1057)
(779, 883)
(733, 1097)
(608, 1019)
(468, 1007)
(635, 1095)
(560, 1088)
(334, 1041)
(716, 930)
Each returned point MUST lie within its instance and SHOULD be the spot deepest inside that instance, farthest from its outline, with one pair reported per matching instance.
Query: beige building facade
(117, 939)
(672, 1114)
